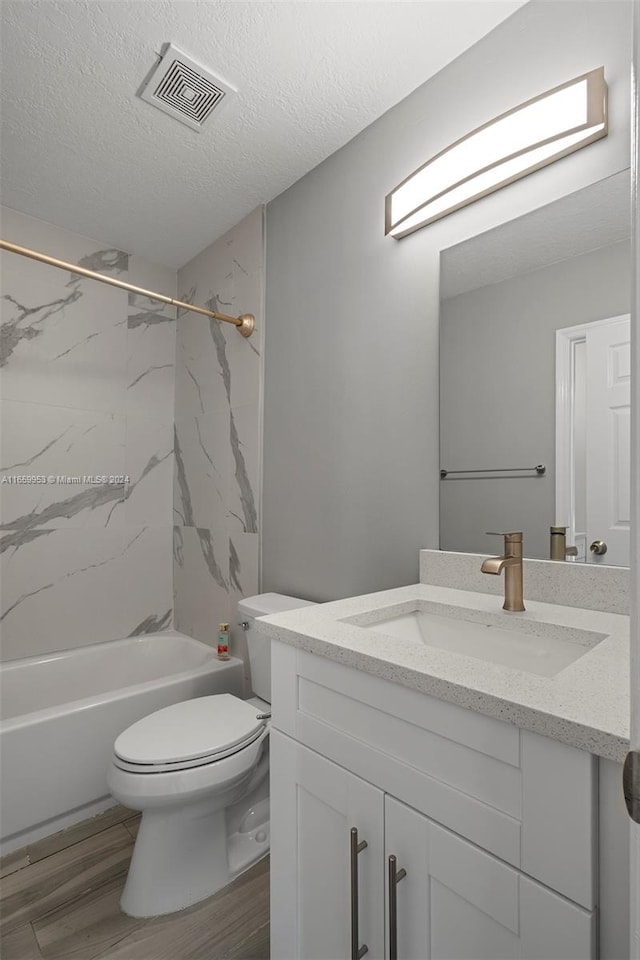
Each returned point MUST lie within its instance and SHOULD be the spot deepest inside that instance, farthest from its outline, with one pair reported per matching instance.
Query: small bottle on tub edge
(223, 642)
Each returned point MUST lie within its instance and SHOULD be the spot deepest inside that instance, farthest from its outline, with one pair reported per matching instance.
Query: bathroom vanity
(431, 804)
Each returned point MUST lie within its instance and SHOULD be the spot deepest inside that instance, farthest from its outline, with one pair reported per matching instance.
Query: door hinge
(631, 784)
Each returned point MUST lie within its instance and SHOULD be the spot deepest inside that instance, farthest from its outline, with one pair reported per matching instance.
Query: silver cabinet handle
(357, 951)
(395, 876)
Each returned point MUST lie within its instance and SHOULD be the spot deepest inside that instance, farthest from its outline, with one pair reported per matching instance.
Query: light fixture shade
(524, 139)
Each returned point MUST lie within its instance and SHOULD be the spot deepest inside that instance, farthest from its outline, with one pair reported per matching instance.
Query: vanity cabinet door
(457, 902)
(314, 806)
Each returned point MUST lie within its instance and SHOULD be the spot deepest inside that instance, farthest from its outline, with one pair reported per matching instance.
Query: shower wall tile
(153, 276)
(55, 445)
(151, 357)
(149, 468)
(244, 246)
(218, 435)
(211, 573)
(202, 454)
(200, 385)
(64, 339)
(201, 582)
(68, 588)
(245, 364)
(63, 336)
(244, 430)
(243, 580)
(54, 240)
(243, 565)
(87, 390)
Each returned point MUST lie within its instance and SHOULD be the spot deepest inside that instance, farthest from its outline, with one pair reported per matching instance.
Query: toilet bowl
(198, 771)
(183, 766)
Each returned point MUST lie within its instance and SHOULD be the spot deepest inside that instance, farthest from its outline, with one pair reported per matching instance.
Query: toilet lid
(190, 730)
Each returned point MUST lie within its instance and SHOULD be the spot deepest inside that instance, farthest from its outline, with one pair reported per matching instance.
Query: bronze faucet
(511, 563)
(558, 549)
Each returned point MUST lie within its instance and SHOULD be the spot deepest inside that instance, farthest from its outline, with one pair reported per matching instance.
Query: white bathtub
(60, 714)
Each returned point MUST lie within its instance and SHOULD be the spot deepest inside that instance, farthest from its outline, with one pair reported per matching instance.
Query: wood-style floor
(59, 899)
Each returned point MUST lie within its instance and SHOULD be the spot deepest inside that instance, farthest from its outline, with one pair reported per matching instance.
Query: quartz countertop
(586, 705)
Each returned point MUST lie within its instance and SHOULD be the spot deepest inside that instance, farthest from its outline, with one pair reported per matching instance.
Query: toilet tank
(259, 646)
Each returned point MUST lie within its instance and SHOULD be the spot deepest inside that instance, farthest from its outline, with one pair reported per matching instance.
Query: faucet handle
(512, 542)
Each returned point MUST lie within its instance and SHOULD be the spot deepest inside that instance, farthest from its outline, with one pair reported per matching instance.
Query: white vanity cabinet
(457, 901)
(495, 826)
(316, 806)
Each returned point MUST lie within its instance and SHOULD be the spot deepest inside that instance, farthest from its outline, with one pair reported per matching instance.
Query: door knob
(598, 547)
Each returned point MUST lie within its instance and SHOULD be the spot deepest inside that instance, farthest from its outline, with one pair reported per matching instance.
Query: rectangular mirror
(535, 379)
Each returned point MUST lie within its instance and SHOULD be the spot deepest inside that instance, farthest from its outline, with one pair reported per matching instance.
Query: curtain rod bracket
(248, 324)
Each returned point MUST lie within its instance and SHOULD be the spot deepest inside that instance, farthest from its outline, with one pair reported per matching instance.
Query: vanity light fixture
(524, 139)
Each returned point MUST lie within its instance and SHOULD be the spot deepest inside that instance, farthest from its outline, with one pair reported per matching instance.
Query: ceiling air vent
(184, 89)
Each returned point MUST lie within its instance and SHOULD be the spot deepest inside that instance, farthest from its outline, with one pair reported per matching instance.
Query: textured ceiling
(81, 150)
(597, 216)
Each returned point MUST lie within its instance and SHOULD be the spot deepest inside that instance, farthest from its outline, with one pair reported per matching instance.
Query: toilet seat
(178, 765)
(188, 734)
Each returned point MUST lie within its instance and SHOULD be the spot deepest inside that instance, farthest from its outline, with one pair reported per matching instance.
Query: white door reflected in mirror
(593, 390)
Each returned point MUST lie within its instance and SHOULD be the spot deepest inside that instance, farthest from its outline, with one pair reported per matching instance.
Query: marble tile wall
(217, 436)
(87, 389)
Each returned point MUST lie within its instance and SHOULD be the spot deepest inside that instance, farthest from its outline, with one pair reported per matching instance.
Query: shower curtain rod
(245, 323)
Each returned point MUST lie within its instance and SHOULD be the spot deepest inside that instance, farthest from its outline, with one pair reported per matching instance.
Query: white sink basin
(529, 645)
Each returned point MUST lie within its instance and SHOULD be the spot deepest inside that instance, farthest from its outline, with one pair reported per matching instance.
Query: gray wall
(351, 364)
(498, 346)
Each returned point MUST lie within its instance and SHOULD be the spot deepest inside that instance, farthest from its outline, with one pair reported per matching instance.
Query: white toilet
(198, 771)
